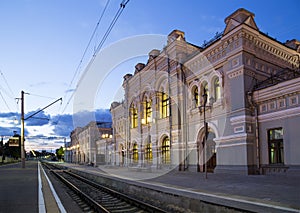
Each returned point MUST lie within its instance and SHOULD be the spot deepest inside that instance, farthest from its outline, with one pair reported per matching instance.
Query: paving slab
(19, 188)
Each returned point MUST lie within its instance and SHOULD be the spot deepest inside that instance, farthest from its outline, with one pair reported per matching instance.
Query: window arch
(165, 149)
(133, 116)
(217, 88)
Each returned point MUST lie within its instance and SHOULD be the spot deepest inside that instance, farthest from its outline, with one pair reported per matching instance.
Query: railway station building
(229, 106)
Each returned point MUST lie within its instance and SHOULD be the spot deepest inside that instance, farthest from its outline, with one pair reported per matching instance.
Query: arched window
(148, 151)
(148, 111)
(165, 106)
(205, 88)
(135, 152)
(217, 89)
(165, 150)
(196, 96)
(133, 116)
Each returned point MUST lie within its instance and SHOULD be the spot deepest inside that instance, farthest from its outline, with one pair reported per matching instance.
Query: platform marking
(41, 201)
(59, 204)
(229, 198)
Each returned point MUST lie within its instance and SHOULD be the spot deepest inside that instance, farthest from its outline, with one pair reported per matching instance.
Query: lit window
(165, 106)
(148, 155)
(217, 89)
(165, 149)
(134, 117)
(135, 153)
(275, 140)
(196, 96)
(205, 88)
(148, 111)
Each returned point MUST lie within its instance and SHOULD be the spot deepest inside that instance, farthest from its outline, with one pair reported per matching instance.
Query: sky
(44, 51)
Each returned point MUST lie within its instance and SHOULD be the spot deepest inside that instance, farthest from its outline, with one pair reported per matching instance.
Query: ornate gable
(241, 16)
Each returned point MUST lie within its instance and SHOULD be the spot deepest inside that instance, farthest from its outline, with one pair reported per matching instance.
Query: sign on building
(13, 141)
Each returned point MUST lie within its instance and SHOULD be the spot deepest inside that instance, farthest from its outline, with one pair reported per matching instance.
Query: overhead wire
(89, 43)
(5, 101)
(82, 58)
(41, 96)
(7, 84)
(11, 95)
(112, 24)
(109, 29)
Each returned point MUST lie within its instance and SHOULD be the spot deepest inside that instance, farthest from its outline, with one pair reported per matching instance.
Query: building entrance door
(211, 155)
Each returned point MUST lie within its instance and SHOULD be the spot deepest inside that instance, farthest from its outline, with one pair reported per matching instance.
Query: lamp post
(205, 131)
(204, 96)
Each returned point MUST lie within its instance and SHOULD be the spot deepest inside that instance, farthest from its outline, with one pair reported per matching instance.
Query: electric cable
(112, 24)
(5, 102)
(82, 58)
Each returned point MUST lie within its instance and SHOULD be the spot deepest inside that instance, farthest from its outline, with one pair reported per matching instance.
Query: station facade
(229, 106)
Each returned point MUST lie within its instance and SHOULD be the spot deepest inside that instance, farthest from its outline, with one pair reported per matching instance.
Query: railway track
(98, 198)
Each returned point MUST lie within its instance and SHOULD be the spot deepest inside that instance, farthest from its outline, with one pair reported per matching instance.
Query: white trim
(233, 144)
(58, 202)
(278, 90)
(231, 138)
(41, 201)
(279, 114)
(241, 119)
(238, 129)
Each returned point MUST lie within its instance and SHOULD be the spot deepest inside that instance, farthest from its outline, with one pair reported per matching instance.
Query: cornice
(282, 114)
(278, 90)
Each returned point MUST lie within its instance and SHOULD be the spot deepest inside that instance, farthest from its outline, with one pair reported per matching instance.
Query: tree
(60, 153)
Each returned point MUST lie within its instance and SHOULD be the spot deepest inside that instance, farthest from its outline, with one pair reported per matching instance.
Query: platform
(27, 190)
(257, 193)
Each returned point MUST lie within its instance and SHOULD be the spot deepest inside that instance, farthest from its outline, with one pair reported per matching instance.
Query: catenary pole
(22, 130)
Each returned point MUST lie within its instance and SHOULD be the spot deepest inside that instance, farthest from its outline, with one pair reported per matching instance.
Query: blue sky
(42, 44)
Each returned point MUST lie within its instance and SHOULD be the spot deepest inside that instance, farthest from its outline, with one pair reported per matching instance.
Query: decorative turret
(240, 16)
(175, 35)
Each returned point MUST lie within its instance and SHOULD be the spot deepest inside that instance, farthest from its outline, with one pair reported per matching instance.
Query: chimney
(139, 67)
(294, 44)
(175, 35)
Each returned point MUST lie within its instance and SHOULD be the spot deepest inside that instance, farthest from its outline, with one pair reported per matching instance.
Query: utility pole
(22, 131)
(23, 125)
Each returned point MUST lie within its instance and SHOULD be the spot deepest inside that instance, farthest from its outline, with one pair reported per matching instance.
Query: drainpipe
(170, 107)
(184, 119)
(253, 107)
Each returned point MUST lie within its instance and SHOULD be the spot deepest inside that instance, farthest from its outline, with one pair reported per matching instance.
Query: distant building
(82, 147)
(252, 85)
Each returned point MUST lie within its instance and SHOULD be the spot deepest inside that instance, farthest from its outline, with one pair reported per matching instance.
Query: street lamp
(204, 96)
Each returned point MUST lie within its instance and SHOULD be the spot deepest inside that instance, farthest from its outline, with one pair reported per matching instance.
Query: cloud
(9, 131)
(63, 124)
(9, 114)
(39, 119)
